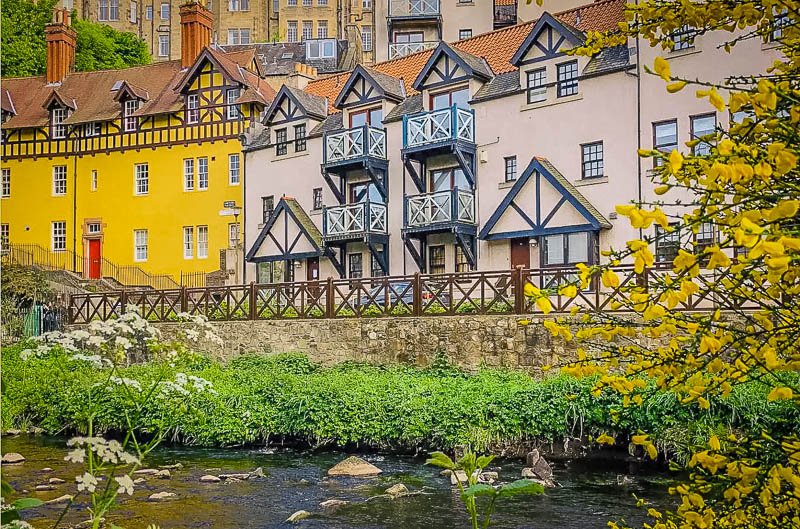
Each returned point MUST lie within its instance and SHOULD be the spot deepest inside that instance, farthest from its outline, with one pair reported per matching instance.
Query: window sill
(289, 156)
(682, 53)
(506, 185)
(590, 181)
(550, 102)
(464, 4)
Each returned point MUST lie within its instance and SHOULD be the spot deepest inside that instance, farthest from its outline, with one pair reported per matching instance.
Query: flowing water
(592, 491)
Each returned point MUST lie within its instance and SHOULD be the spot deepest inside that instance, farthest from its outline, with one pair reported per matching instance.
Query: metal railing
(439, 125)
(488, 292)
(354, 219)
(401, 49)
(427, 209)
(354, 143)
(505, 13)
(414, 8)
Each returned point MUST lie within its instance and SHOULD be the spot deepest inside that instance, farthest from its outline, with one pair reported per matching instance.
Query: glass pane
(461, 98)
(376, 117)
(440, 180)
(358, 120)
(554, 249)
(666, 134)
(578, 245)
(441, 101)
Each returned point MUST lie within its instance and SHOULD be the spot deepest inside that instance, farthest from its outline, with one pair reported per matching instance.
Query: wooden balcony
(401, 49)
(451, 210)
(414, 9)
(354, 222)
(438, 128)
(356, 146)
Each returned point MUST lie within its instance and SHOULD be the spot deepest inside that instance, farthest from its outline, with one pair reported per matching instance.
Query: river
(592, 491)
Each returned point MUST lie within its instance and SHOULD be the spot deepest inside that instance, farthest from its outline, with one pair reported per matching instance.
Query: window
(192, 108)
(202, 173)
(307, 3)
(5, 238)
(537, 89)
(233, 169)
(321, 49)
(567, 76)
(60, 180)
(355, 265)
(244, 36)
(667, 244)
(780, 22)
(447, 179)
(280, 142)
(5, 183)
(375, 265)
(308, 29)
(202, 242)
(370, 116)
(366, 37)
(129, 120)
(267, 207)
(134, 12)
(592, 160)
(140, 245)
(113, 13)
(57, 128)
(291, 31)
(188, 174)
(366, 4)
(300, 137)
(703, 127)
(163, 45)
(683, 38)
(458, 97)
(705, 237)
(141, 179)
(276, 6)
(322, 2)
(291, 3)
(91, 129)
(233, 235)
(164, 11)
(59, 236)
(665, 138)
(102, 12)
(464, 34)
(239, 5)
(322, 29)
(239, 36)
(188, 242)
(462, 265)
(68, 4)
(436, 263)
(93, 227)
(511, 168)
(233, 109)
(148, 12)
(94, 180)
(566, 249)
(317, 198)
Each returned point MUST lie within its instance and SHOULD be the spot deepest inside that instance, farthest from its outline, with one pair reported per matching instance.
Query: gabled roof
(280, 58)
(6, 103)
(536, 220)
(386, 85)
(128, 90)
(569, 34)
(59, 100)
(471, 65)
(302, 242)
(309, 104)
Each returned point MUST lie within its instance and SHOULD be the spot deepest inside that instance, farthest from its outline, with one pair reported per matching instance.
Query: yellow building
(129, 174)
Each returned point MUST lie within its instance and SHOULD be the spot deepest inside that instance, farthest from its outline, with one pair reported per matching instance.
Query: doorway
(95, 257)
(520, 252)
(312, 269)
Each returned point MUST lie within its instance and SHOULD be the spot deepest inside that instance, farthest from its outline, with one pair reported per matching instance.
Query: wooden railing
(428, 209)
(438, 125)
(496, 292)
(353, 143)
(413, 8)
(401, 49)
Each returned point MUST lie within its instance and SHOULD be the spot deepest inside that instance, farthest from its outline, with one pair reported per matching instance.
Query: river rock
(354, 467)
(458, 475)
(13, 431)
(161, 496)
(208, 478)
(299, 515)
(488, 477)
(45, 487)
(330, 505)
(36, 430)
(47, 469)
(529, 473)
(396, 491)
(176, 466)
(539, 465)
(56, 481)
(257, 473)
(146, 472)
(139, 480)
(13, 458)
(239, 477)
(163, 474)
(445, 472)
(60, 500)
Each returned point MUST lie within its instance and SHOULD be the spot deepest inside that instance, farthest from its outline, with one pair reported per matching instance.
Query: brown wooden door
(520, 252)
(312, 269)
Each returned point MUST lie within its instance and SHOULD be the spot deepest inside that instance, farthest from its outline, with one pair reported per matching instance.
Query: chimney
(61, 39)
(196, 22)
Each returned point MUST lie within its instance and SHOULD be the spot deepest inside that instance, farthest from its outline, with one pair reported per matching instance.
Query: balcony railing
(414, 8)
(357, 142)
(401, 49)
(429, 209)
(339, 222)
(439, 125)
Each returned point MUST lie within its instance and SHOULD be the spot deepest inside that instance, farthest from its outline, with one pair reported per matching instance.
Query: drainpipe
(244, 215)
(74, 210)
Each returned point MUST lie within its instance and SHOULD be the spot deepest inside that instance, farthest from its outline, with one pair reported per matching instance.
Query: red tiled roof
(497, 47)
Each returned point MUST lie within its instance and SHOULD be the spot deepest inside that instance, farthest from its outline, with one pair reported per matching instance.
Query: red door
(94, 259)
(520, 252)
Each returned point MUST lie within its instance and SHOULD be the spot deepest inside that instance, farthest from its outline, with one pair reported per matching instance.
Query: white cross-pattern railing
(354, 143)
(439, 125)
(427, 209)
(401, 49)
(413, 8)
(363, 217)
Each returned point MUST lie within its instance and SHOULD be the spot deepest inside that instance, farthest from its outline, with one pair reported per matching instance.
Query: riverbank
(285, 398)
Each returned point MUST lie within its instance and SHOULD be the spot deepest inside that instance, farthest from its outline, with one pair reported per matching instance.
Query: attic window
(287, 55)
(57, 128)
(320, 49)
(129, 121)
(117, 85)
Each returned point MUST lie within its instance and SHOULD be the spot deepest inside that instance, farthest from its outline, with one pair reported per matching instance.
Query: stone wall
(468, 341)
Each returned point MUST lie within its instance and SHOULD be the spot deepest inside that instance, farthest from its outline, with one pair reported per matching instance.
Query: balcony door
(364, 191)
(408, 37)
(447, 179)
(458, 97)
(369, 116)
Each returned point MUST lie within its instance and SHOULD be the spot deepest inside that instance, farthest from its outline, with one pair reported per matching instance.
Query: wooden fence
(496, 292)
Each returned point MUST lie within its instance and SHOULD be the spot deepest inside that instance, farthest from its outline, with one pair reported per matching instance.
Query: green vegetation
(21, 286)
(258, 398)
(100, 47)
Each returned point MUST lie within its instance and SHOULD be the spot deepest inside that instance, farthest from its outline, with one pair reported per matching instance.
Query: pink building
(488, 153)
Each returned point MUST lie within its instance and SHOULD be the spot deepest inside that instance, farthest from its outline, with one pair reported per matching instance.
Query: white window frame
(163, 45)
(322, 31)
(192, 108)
(58, 130)
(291, 31)
(140, 245)
(59, 180)
(130, 122)
(94, 182)
(536, 85)
(232, 109)
(91, 129)
(102, 10)
(366, 37)
(202, 242)
(202, 173)
(234, 169)
(5, 183)
(233, 235)
(161, 11)
(307, 30)
(188, 174)
(188, 242)
(58, 236)
(134, 13)
(141, 179)
(148, 12)
(113, 9)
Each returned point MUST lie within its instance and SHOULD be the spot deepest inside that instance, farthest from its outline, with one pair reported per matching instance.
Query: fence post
(329, 300)
(252, 301)
(184, 300)
(519, 290)
(416, 295)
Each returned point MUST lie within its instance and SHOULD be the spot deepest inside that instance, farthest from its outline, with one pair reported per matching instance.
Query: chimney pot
(61, 40)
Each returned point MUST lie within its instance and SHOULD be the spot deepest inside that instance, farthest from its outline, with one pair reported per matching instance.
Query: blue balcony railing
(354, 220)
(439, 208)
(414, 8)
(350, 144)
(448, 124)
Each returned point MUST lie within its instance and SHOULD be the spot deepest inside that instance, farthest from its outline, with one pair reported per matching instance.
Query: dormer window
(370, 116)
(129, 121)
(458, 97)
(233, 109)
(58, 129)
(567, 75)
(192, 108)
(537, 85)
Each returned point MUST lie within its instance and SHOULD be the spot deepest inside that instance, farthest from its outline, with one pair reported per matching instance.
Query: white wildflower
(96, 360)
(125, 485)
(86, 482)
(126, 382)
(76, 456)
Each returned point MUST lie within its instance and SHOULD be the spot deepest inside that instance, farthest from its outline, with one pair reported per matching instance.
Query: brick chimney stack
(196, 23)
(61, 40)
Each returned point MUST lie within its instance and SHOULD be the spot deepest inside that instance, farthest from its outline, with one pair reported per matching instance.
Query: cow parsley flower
(125, 485)
(86, 482)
